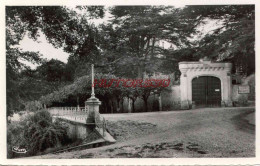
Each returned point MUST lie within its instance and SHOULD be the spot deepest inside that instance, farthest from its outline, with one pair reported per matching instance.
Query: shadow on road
(242, 123)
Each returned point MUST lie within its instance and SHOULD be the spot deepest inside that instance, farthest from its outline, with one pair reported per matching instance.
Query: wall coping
(204, 64)
(72, 121)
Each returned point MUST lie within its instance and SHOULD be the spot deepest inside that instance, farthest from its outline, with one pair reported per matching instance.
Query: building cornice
(204, 65)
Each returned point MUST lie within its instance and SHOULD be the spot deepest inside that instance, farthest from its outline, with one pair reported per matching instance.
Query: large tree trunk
(160, 102)
(78, 102)
(111, 106)
(145, 104)
(133, 105)
(146, 58)
(105, 109)
(122, 105)
(129, 106)
(153, 48)
(140, 71)
(118, 105)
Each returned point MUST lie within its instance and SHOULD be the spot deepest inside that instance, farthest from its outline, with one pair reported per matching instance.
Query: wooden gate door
(206, 91)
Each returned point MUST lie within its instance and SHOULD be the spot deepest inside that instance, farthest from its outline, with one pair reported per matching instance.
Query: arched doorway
(206, 91)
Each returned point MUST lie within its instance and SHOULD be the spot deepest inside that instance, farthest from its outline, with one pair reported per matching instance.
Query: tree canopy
(131, 39)
(234, 39)
(61, 26)
(129, 45)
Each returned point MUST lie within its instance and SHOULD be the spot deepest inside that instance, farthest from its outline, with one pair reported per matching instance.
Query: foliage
(242, 100)
(251, 83)
(61, 26)
(33, 106)
(82, 87)
(144, 92)
(131, 40)
(15, 138)
(233, 40)
(36, 133)
(52, 70)
(15, 80)
(126, 47)
(30, 84)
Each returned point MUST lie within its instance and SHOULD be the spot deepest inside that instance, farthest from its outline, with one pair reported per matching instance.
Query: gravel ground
(124, 130)
(207, 132)
(251, 118)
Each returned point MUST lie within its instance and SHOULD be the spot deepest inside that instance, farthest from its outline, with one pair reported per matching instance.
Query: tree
(62, 27)
(233, 40)
(15, 80)
(52, 70)
(151, 85)
(133, 94)
(127, 47)
(134, 33)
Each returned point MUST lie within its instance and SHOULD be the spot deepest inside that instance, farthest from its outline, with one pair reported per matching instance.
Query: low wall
(249, 97)
(170, 101)
(76, 130)
(235, 94)
(171, 98)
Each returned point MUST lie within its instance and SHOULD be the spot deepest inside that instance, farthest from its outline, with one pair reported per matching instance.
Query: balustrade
(61, 111)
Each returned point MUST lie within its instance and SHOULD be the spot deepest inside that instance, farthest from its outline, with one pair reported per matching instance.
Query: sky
(50, 52)
(46, 49)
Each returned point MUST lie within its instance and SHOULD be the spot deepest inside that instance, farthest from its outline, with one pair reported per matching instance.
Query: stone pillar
(93, 112)
(228, 85)
(183, 86)
(93, 107)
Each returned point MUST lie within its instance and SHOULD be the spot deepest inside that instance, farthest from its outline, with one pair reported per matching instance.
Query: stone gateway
(205, 83)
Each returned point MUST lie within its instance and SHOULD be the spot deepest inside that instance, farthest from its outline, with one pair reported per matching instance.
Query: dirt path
(208, 132)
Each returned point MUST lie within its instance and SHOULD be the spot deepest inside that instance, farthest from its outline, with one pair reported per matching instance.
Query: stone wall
(249, 98)
(76, 130)
(170, 101)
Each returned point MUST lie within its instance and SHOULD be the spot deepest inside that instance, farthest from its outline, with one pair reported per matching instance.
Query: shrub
(15, 138)
(33, 106)
(251, 83)
(242, 100)
(37, 132)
